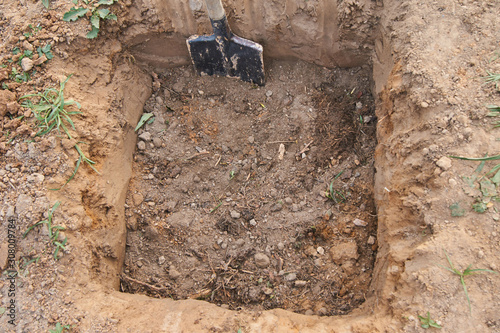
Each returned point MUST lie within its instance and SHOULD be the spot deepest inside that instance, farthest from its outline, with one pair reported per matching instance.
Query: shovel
(224, 53)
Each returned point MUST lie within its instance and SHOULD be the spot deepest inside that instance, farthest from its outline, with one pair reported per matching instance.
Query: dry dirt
(214, 216)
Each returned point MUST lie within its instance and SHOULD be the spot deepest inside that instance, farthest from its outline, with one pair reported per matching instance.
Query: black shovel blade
(237, 58)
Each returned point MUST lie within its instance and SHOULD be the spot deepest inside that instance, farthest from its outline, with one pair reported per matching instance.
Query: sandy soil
(201, 204)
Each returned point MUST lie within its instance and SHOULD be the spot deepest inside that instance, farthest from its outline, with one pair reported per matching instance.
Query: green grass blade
(466, 292)
(491, 158)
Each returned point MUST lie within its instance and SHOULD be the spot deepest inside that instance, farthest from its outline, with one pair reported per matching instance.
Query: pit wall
(326, 32)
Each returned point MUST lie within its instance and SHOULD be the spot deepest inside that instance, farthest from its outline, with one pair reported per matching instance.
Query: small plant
(335, 195)
(487, 184)
(19, 77)
(50, 111)
(232, 174)
(468, 271)
(96, 14)
(494, 112)
(145, 118)
(492, 78)
(46, 50)
(34, 30)
(60, 328)
(427, 322)
(53, 231)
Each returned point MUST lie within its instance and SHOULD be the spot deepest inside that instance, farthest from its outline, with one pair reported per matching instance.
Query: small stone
(161, 260)
(157, 142)
(359, 105)
(295, 208)
(288, 200)
(424, 104)
(138, 198)
(146, 136)
(28, 46)
(281, 246)
(291, 277)
(23, 203)
(252, 222)
(26, 64)
(251, 139)
(269, 93)
(309, 312)
(360, 223)
(235, 214)
(151, 233)
(40, 60)
(320, 250)
(240, 242)
(371, 240)
(141, 145)
(343, 252)
(261, 260)
(300, 283)
(444, 163)
(322, 312)
(35, 178)
(173, 273)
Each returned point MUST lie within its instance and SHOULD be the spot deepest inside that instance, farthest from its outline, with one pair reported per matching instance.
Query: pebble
(35, 178)
(157, 142)
(253, 223)
(424, 104)
(320, 250)
(295, 208)
(309, 312)
(288, 200)
(138, 198)
(269, 93)
(240, 242)
(141, 145)
(26, 64)
(23, 203)
(281, 246)
(359, 105)
(300, 283)
(235, 214)
(444, 163)
(371, 240)
(343, 252)
(173, 273)
(146, 136)
(360, 223)
(291, 277)
(161, 260)
(261, 260)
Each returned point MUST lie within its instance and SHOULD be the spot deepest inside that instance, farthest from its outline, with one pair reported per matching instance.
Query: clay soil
(325, 201)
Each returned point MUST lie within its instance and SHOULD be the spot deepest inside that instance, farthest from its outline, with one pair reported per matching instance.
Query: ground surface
(275, 240)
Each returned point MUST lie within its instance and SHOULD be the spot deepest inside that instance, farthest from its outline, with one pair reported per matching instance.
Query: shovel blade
(237, 58)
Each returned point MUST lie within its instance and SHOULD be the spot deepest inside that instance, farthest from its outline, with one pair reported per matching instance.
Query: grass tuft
(468, 271)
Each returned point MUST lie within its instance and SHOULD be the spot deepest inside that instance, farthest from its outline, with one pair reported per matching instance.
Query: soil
(325, 201)
(217, 211)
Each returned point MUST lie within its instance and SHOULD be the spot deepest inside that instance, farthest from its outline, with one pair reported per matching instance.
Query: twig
(294, 141)
(197, 154)
(306, 148)
(150, 286)
(218, 161)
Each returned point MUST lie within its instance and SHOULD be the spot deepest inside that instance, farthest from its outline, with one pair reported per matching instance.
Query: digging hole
(255, 197)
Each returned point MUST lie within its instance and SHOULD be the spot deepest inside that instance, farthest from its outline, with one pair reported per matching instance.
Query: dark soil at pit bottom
(255, 197)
